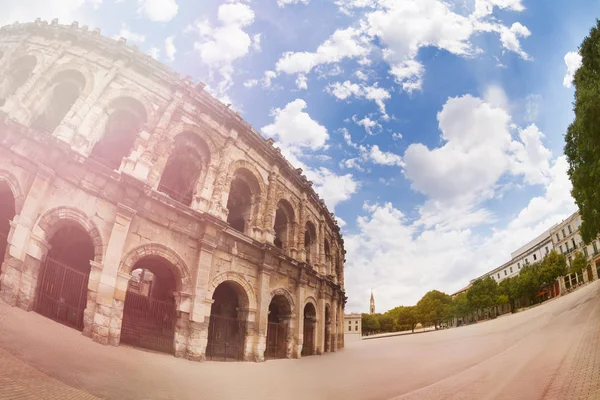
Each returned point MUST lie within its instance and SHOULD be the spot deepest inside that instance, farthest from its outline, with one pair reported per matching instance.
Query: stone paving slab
(19, 381)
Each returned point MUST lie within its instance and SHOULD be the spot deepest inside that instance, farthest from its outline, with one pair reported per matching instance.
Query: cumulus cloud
(158, 10)
(402, 27)
(573, 62)
(344, 43)
(283, 3)
(478, 150)
(170, 48)
(344, 90)
(219, 47)
(385, 158)
(331, 187)
(293, 126)
(371, 127)
(133, 38)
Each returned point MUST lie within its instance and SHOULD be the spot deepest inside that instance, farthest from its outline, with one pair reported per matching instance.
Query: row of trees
(482, 298)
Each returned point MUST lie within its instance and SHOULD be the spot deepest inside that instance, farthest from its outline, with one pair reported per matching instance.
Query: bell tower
(372, 307)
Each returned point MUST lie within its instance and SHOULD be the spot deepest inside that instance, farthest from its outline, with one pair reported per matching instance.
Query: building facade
(353, 324)
(138, 209)
(567, 240)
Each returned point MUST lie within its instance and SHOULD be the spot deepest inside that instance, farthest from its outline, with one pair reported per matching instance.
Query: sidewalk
(19, 381)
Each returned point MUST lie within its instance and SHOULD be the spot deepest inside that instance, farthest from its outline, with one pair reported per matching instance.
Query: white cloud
(293, 127)
(256, 42)
(361, 75)
(344, 90)
(331, 187)
(219, 47)
(478, 150)
(158, 10)
(371, 127)
(385, 158)
(154, 52)
(573, 62)
(132, 37)
(344, 43)
(170, 48)
(302, 82)
(283, 3)
(396, 136)
(250, 83)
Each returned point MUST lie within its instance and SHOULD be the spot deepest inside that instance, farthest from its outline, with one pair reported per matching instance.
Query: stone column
(264, 284)
(268, 221)
(101, 314)
(334, 325)
(299, 318)
(182, 327)
(20, 272)
(321, 324)
(200, 305)
(218, 200)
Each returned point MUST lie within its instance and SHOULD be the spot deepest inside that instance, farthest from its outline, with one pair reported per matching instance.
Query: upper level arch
(15, 187)
(245, 196)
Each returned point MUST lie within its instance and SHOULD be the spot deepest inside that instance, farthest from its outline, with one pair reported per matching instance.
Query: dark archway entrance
(327, 329)
(7, 213)
(227, 327)
(149, 313)
(62, 288)
(310, 321)
(278, 327)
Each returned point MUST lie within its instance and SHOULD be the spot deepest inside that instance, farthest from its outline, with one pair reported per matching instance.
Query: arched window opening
(310, 322)
(243, 196)
(280, 313)
(181, 174)
(16, 77)
(126, 116)
(284, 220)
(149, 312)
(7, 213)
(63, 91)
(227, 328)
(62, 289)
(310, 245)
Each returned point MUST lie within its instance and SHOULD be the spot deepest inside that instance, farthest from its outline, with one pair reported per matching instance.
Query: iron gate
(225, 338)
(276, 340)
(148, 323)
(62, 294)
(309, 340)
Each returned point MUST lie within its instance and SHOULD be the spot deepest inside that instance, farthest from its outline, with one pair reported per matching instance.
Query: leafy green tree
(460, 306)
(386, 322)
(483, 294)
(432, 307)
(582, 139)
(507, 289)
(370, 323)
(407, 318)
(528, 284)
(579, 263)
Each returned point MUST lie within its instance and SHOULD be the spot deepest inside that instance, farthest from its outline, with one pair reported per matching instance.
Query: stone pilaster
(268, 221)
(321, 324)
(299, 332)
(264, 284)
(218, 200)
(105, 282)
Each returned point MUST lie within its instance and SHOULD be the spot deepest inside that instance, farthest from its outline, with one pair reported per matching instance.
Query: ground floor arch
(278, 327)
(228, 324)
(150, 311)
(7, 213)
(63, 283)
(310, 322)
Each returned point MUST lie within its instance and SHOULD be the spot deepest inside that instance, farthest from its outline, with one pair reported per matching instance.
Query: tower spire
(372, 305)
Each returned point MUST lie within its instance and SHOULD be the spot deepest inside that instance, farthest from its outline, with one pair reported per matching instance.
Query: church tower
(372, 308)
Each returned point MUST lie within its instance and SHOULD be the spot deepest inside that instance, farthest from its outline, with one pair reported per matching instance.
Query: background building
(353, 324)
(110, 164)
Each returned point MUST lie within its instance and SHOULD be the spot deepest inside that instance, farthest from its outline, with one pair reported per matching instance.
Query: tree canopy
(583, 137)
(433, 307)
(579, 263)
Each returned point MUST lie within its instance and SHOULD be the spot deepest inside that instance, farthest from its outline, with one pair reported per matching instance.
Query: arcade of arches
(140, 210)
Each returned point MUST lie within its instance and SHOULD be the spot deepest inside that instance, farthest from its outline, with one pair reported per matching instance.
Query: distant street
(548, 352)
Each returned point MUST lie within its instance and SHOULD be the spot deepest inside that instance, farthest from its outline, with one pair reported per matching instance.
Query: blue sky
(434, 129)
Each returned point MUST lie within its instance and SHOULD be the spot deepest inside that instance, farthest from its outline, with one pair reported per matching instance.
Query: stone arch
(285, 293)
(312, 300)
(158, 250)
(196, 130)
(231, 276)
(72, 65)
(52, 220)
(13, 183)
(238, 164)
(144, 100)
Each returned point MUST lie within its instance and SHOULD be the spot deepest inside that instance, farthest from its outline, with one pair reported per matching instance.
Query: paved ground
(548, 352)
